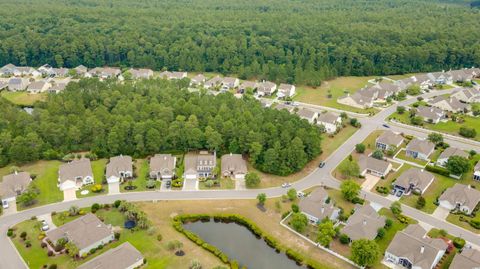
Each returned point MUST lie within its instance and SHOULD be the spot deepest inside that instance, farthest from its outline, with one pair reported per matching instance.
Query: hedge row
(179, 220)
(438, 170)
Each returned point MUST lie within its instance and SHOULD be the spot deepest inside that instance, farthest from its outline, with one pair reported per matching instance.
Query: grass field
(337, 88)
(23, 98)
(448, 127)
(329, 145)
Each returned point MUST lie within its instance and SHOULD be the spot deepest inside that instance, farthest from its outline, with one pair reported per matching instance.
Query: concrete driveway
(370, 182)
(69, 195)
(163, 186)
(240, 184)
(190, 184)
(12, 208)
(441, 213)
(114, 188)
(48, 219)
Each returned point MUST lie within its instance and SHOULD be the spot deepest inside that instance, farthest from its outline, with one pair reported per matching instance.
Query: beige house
(460, 197)
(124, 256)
(266, 88)
(330, 121)
(38, 86)
(363, 223)
(450, 104)
(388, 140)
(316, 206)
(75, 174)
(86, 233)
(141, 73)
(467, 95)
(119, 168)
(469, 258)
(18, 84)
(286, 90)
(201, 165)
(198, 80)
(420, 149)
(162, 166)
(430, 114)
(370, 165)
(308, 114)
(360, 99)
(173, 75)
(414, 179)
(233, 165)
(13, 185)
(449, 152)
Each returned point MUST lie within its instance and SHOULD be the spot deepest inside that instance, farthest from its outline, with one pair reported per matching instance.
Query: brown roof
(204, 158)
(449, 152)
(119, 164)
(315, 204)
(421, 146)
(328, 117)
(390, 138)
(461, 194)
(121, 257)
(306, 113)
(14, 184)
(430, 112)
(414, 176)
(364, 223)
(373, 164)
(83, 232)
(234, 164)
(74, 169)
(163, 164)
(419, 250)
(468, 259)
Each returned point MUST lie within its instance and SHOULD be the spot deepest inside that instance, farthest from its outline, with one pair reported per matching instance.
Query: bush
(117, 203)
(28, 244)
(159, 237)
(380, 233)
(150, 184)
(43, 245)
(420, 202)
(467, 132)
(52, 266)
(474, 223)
(23, 235)
(117, 235)
(95, 207)
(252, 180)
(438, 170)
(382, 189)
(93, 250)
(295, 208)
(360, 148)
(458, 242)
(209, 183)
(388, 223)
(50, 253)
(344, 239)
(97, 188)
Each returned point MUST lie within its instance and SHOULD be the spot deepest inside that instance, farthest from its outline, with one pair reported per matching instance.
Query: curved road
(11, 260)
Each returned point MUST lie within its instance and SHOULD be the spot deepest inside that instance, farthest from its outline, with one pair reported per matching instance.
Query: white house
(460, 197)
(13, 185)
(119, 168)
(329, 121)
(285, 90)
(75, 174)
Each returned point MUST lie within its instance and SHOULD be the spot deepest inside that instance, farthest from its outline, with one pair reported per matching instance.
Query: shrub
(117, 203)
(50, 253)
(344, 239)
(360, 148)
(467, 132)
(382, 189)
(97, 188)
(438, 170)
(150, 184)
(458, 242)
(43, 245)
(117, 235)
(295, 208)
(388, 223)
(93, 250)
(95, 207)
(420, 202)
(285, 214)
(381, 233)
(252, 180)
(52, 266)
(159, 237)
(23, 235)
(28, 244)
(209, 183)
(474, 223)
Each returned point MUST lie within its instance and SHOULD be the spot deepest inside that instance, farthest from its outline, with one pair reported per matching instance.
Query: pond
(239, 244)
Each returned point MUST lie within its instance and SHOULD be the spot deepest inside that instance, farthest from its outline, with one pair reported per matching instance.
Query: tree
(72, 249)
(261, 197)
(396, 208)
(365, 252)
(28, 197)
(413, 90)
(467, 132)
(252, 179)
(295, 208)
(292, 194)
(435, 138)
(420, 202)
(400, 110)
(377, 154)
(299, 222)
(326, 232)
(350, 189)
(416, 120)
(457, 165)
(360, 148)
(349, 168)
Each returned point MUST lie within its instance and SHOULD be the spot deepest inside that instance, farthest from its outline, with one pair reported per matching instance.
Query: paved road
(11, 260)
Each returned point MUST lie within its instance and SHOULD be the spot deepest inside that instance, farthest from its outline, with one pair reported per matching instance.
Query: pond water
(239, 244)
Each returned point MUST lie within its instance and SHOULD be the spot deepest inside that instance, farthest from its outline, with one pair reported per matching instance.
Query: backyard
(336, 88)
(23, 98)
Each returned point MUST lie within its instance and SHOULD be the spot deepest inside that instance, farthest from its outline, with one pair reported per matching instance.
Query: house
(266, 88)
(162, 166)
(119, 168)
(318, 206)
(45, 70)
(422, 81)
(141, 73)
(449, 152)
(363, 223)
(286, 91)
(39, 86)
(467, 95)
(329, 121)
(419, 149)
(229, 83)
(414, 179)
(404, 83)
(57, 87)
(124, 256)
(18, 84)
(86, 233)
(75, 174)
(307, 114)
(476, 171)
(233, 165)
(469, 258)
(460, 75)
(359, 99)
(26, 71)
(460, 197)
(8, 70)
(213, 82)
(173, 75)
(13, 185)
(388, 140)
(247, 85)
(201, 165)
(81, 70)
(385, 90)
(281, 106)
(198, 80)
(430, 114)
(104, 73)
(60, 72)
(411, 248)
(375, 167)
(440, 78)
(450, 104)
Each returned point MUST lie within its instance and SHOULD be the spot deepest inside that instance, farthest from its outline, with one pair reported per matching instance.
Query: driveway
(12, 208)
(393, 197)
(114, 188)
(48, 219)
(163, 186)
(240, 184)
(69, 195)
(441, 213)
(190, 184)
(370, 182)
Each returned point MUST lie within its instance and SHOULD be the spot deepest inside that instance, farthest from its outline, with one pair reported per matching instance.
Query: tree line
(146, 117)
(302, 42)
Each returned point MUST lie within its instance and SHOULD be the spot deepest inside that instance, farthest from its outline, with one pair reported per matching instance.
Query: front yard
(402, 156)
(98, 169)
(462, 221)
(220, 184)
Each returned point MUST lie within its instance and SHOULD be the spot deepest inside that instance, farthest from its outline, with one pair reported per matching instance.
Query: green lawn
(390, 233)
(455, 219)
(98, 169)
(448, 127)
(225, 183)
(401, 155)
(337, 88)
(46, 176)
(387, 182)
(337, 197)
(23, 98)
(141, 168)
(153, 250)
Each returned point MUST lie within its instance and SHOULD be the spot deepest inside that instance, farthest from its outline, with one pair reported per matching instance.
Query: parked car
(321, 165)
(45, 226)
(300, 194)
(4, 204)
(385, 125)
(286, 185)
(168, 184)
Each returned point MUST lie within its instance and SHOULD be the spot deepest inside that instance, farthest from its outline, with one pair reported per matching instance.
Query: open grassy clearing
(23, 98)
(336, 88)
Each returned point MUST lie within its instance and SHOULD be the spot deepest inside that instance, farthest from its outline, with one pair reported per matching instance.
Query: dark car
(321, 165)
(168, 184)
(385, 125)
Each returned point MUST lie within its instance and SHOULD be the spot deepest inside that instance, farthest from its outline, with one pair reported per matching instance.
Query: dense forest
(301, 42)
(152, 116)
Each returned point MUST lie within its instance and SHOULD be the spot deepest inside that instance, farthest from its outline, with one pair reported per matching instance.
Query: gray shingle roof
(364, 223)
(328, 117)
(121, 257)
(421, 146)
(430, 112)
(74, 169)
(468, 259)
(373, 164)
(233, 164)
(163, 164)
(14, 184)
(119, 164)
(414, 176)
(461, 194)
(390, 138)
(451, 151)
(314, 204)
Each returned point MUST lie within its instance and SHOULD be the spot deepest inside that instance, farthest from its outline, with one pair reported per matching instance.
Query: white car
(45, 226)
(300, 194)
(286, 185)
(4, 204)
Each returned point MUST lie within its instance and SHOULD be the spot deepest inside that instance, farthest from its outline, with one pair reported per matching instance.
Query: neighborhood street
(321, 176)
